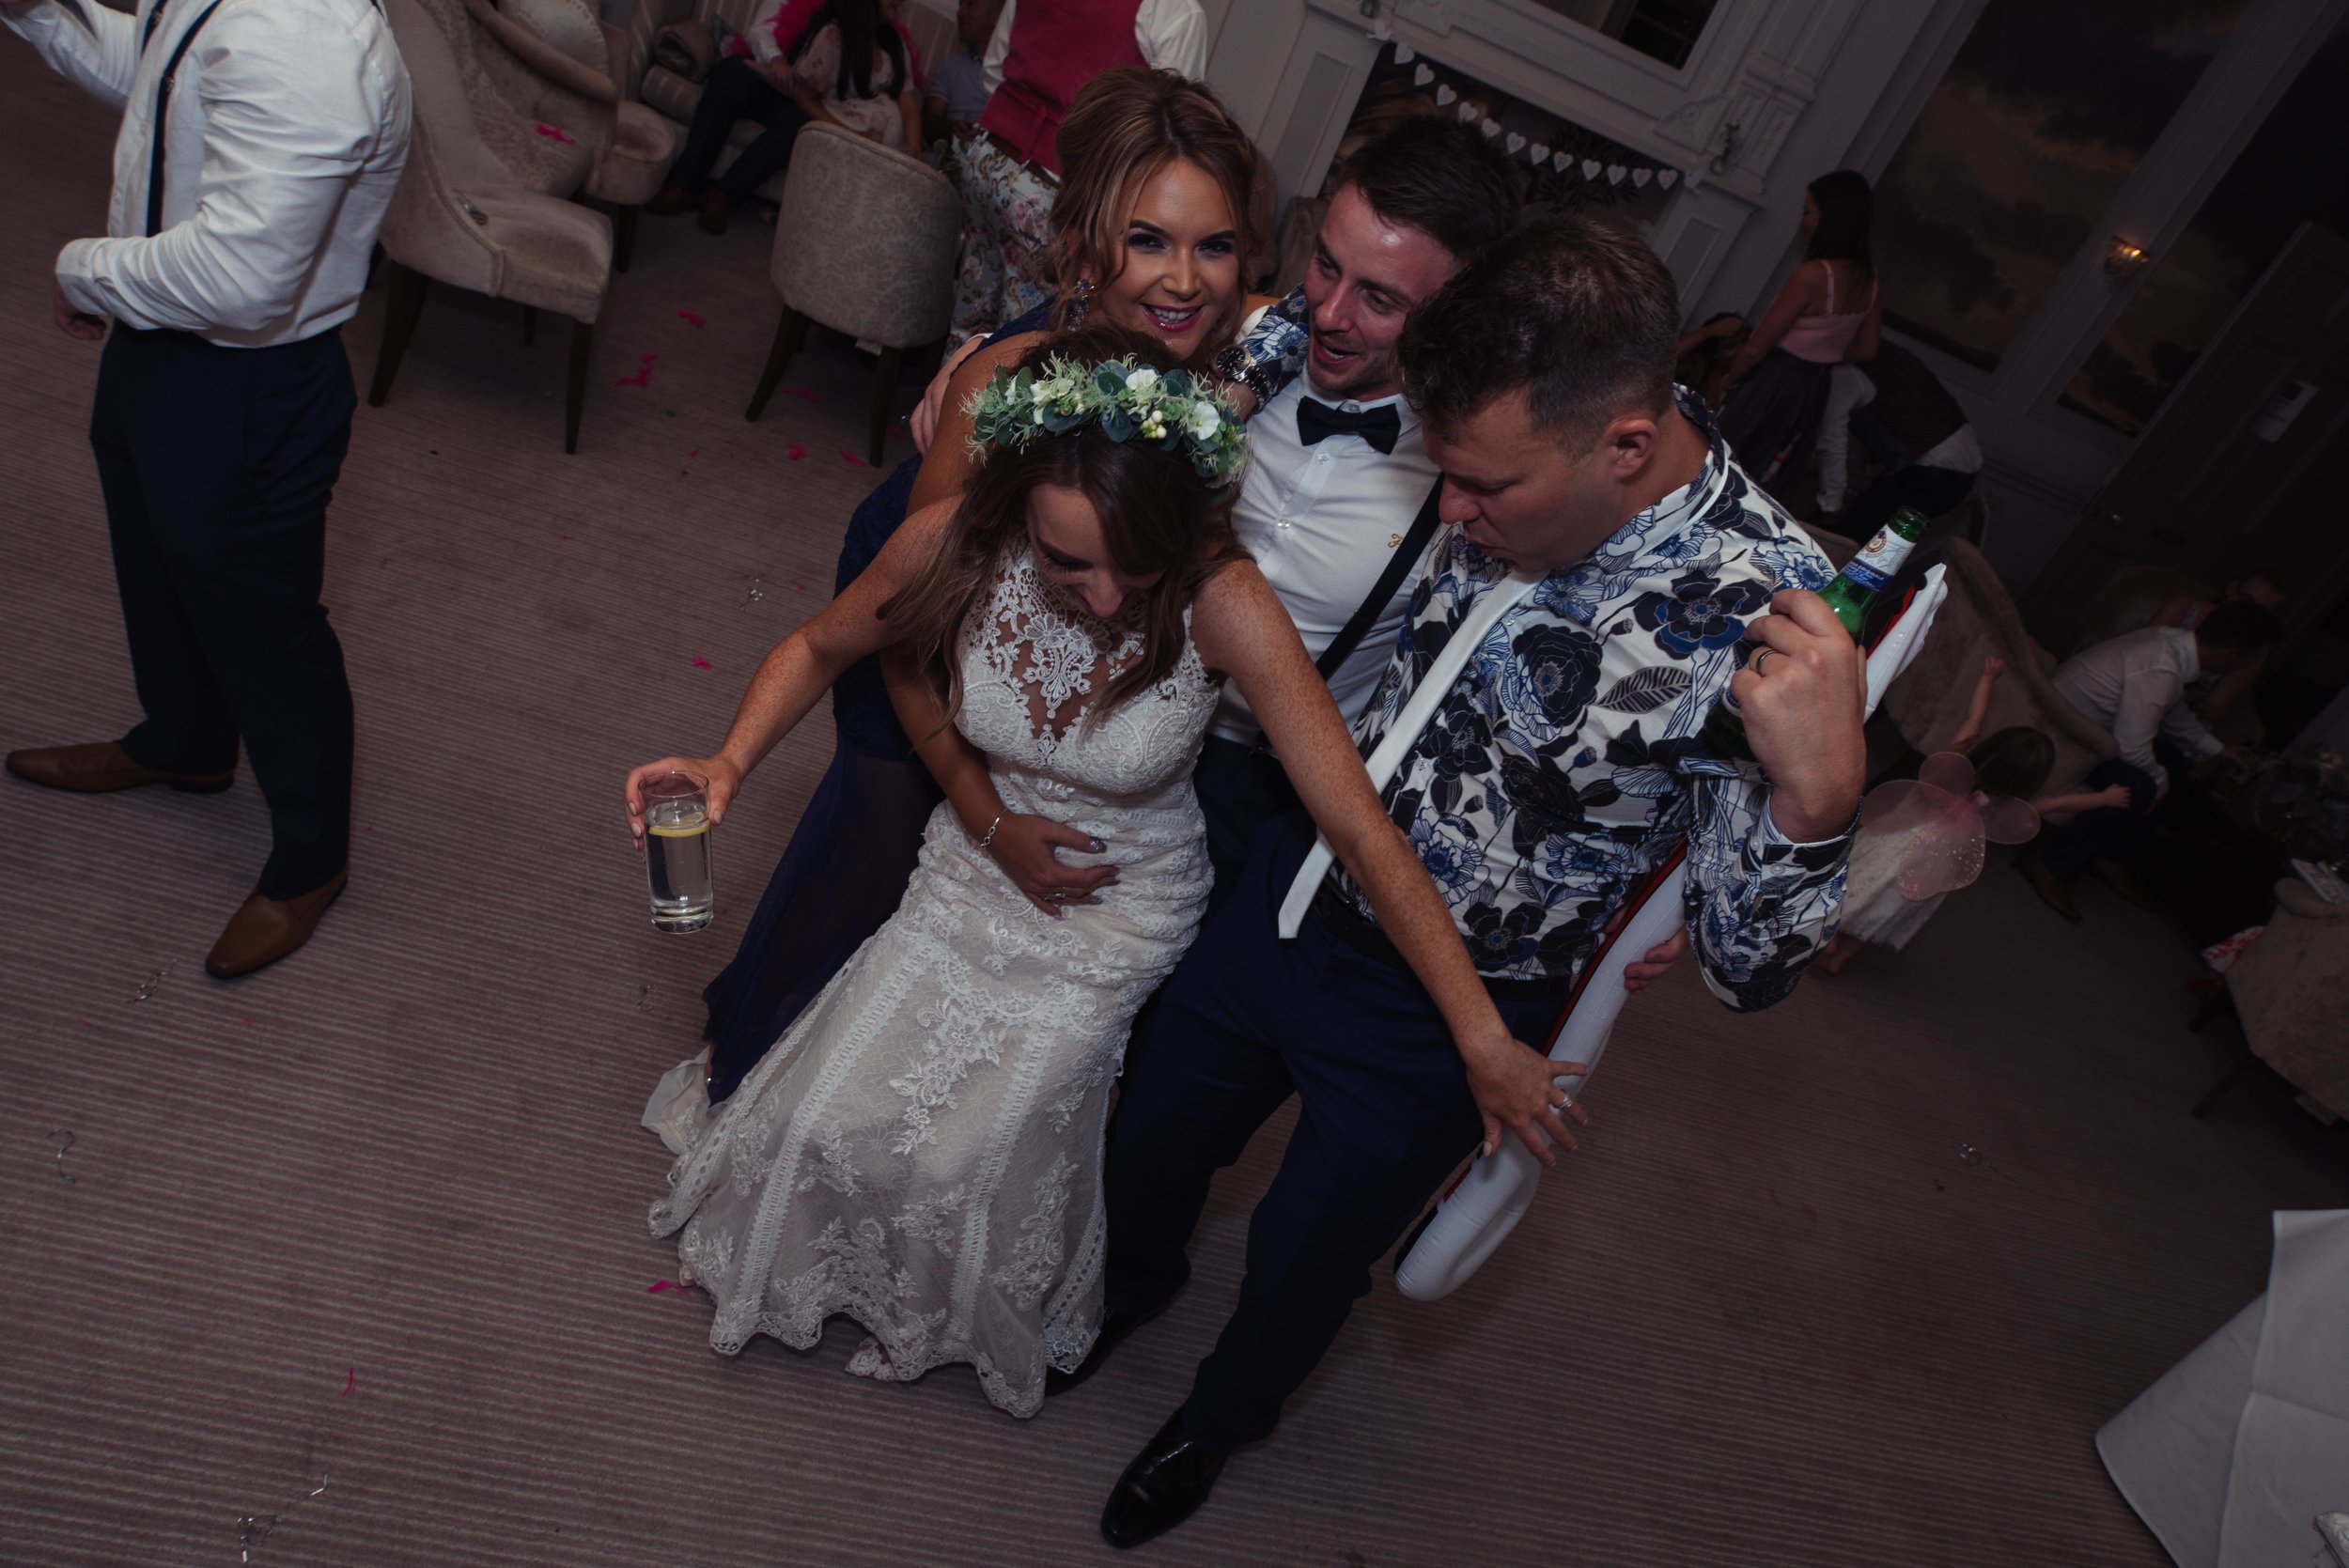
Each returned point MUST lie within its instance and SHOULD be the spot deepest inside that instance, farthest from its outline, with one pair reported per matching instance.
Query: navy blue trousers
(1240, 789)
(2112, 833)
(1245, 1021)
(217, 465)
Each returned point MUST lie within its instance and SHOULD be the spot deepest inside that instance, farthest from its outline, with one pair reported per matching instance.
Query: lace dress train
(921, 1150)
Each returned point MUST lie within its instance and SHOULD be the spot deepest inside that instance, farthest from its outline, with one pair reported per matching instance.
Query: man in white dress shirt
(2134, 687)
(260, 144)
(1337, 503)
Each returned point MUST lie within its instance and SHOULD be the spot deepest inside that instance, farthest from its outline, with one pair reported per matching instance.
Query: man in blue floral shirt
(1615, 559)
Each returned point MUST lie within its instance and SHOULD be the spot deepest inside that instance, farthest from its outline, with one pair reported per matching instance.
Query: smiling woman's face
(1181, 248)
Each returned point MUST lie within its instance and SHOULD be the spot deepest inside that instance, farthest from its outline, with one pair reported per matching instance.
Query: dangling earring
(1079, 298)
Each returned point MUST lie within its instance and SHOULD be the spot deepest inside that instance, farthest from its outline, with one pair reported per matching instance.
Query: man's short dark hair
(2240, 625)
(1579, 313)
(1440, 177)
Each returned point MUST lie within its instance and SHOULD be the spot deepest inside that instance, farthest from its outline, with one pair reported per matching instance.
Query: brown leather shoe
(671, 200)
(2051, 892)
(102, 765)
(267, 929)
(715, 210)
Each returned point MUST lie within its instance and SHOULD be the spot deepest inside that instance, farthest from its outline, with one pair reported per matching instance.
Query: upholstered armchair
(2286, 987)
(474, 209)
(1928, 702)
(632, 145)
(865, 245)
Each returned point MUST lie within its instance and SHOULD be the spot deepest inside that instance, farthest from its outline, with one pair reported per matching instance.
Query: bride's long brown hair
(1156, 515)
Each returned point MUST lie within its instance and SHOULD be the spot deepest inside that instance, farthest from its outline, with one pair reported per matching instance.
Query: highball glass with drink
(676, 852)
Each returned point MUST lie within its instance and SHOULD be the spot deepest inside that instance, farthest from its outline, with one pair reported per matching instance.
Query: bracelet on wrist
(989, 836)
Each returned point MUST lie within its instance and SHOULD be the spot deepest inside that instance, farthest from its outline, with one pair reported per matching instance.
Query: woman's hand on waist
(1026, 849)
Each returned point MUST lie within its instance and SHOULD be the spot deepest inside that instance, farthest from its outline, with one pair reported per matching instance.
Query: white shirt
(1171, 35)
(1322, 522)
(2134, 687)
(288, 127)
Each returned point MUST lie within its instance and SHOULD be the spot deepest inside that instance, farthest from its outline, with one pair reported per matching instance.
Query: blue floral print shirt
(1569, 761)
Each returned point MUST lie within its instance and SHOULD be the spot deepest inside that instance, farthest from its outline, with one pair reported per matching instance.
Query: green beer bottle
(1851, 595)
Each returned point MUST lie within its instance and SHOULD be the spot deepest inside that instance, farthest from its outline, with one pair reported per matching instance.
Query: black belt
(1004, 145)
(1347, 923)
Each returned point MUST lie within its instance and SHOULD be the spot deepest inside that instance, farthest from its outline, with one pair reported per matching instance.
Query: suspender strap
(158, 134)
(1501, 597)
(1405, 556)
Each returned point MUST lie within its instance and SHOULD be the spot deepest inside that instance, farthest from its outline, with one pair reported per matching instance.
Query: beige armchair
(1928, 702)
(464, 215)
(865, 245)
(2286, 989)
(632, 145)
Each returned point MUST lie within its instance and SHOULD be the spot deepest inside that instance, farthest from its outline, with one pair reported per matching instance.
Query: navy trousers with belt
(217, 465)
(1245, 1021)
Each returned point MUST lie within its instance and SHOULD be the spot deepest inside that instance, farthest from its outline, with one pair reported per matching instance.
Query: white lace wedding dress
(922, 1150)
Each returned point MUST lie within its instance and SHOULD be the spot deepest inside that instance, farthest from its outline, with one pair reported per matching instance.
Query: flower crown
(1129, 401)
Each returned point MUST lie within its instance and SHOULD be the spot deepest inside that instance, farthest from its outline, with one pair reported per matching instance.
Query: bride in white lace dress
(921, 1150)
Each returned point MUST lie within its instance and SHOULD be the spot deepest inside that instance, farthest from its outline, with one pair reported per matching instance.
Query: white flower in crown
(1142, 381)
(1205, 420)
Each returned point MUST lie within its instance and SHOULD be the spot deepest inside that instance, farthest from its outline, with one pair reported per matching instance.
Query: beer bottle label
(1873, 567)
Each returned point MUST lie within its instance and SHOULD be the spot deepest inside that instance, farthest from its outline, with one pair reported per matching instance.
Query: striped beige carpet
(371, 1226)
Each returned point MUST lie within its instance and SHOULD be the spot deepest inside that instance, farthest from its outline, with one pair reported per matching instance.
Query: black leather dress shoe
(1164, 1485)
(1114, 1326)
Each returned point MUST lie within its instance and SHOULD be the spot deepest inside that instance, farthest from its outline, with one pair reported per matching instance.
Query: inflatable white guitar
(1472, 1219)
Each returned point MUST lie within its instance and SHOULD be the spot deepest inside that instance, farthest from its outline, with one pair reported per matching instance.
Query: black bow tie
(1379, 426)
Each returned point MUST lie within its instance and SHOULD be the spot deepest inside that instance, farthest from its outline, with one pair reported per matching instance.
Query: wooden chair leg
(575, 392)
(623, 237)
(884, 397)
(2233, 1075)
(399, 324)
(530, 325)
(789, 334)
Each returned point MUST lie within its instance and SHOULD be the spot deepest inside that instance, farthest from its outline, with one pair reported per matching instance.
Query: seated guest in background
(1702, 357)
(853, 73)
(957, 92)
(1927, 450)
(762, 83)
(1042, 52)
(2134, 687)
(1830, 311)
(1610, 531)
(2218, 698)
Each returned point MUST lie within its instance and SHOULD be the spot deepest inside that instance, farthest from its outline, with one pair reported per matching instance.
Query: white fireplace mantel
(1293, 70)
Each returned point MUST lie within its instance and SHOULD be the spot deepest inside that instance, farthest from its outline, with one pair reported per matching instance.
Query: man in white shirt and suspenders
(260, 144)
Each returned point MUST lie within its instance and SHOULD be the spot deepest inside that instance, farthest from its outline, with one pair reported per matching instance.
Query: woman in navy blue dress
(1154, 201)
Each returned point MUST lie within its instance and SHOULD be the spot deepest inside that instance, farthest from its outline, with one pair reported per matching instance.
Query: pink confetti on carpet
(852, 460)
(703, 664)
(660, 1285)
(643, 376)
(560, 135)
(350, 1382)
(247, 1022)
(696, 453)
(564, 537)
(797, 452)
(691, 318)
(807, 393)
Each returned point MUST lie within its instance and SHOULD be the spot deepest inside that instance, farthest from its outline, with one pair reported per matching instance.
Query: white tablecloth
(2232, 1453)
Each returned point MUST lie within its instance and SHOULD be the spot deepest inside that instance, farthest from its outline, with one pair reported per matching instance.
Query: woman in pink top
(1830, 312)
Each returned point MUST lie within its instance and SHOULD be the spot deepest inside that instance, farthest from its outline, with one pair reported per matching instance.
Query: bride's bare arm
(1021, 845)
(1240, 626)
(800, 669)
